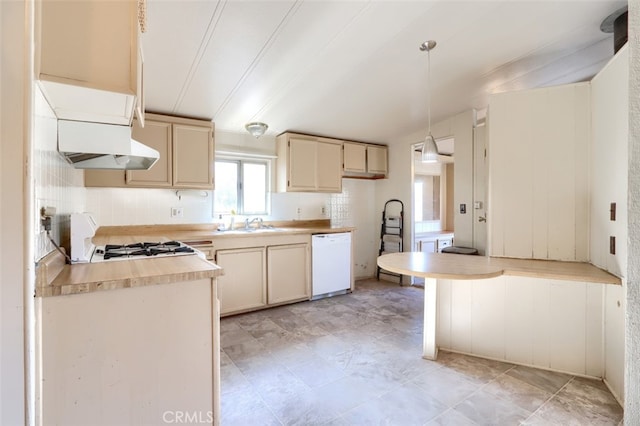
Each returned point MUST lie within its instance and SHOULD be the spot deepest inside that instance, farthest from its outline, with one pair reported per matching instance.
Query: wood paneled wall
(609, 175)
(551, 324)
(539, 173)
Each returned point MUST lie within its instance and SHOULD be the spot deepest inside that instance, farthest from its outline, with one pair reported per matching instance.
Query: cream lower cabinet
(427, 246)
(243, 286)
(433, 244)
(129, 356)
(274, 271)
(286, 272)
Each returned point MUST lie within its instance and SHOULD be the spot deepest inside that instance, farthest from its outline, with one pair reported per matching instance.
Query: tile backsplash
(143, 206)
(428, 226)
(57, 184)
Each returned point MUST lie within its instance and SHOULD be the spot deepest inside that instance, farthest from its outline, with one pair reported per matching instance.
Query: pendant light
(429, 147)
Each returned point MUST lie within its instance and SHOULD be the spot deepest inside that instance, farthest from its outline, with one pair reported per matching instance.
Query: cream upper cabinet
(377, 159)
(355, 157)
(89, 60)
(186, 149)
(303, 165)
(329, 166)
(192, 156)
(157, 135)
(364, 160)
(308, 164)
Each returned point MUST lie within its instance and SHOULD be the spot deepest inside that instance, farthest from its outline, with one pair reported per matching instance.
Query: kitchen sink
(252, 230)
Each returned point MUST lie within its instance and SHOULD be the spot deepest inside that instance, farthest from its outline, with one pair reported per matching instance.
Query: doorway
(432, 199)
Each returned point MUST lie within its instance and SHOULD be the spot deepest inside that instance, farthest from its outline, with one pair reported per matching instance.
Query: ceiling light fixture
(429, 147)
(256, 128)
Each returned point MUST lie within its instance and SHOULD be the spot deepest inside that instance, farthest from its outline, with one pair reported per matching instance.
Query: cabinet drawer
(444, 243)
(206, 249)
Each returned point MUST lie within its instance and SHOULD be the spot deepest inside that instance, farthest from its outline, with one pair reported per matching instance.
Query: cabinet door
(302, 165)
(87, 53)
(288, 273)
(104, 178)
(428, 246)
(140, 100)
(157, 135)
(377, 159)
(243, 285)
(329, 167)
(355, 157)
(192, 157)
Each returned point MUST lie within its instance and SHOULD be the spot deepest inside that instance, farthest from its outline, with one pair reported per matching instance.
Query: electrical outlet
(177, 212)
(323, 211)
(612, 245)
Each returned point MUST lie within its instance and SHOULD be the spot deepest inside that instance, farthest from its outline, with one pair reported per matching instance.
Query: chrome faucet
(248, 222)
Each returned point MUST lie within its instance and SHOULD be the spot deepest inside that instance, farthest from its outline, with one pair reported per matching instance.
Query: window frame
(240, 162)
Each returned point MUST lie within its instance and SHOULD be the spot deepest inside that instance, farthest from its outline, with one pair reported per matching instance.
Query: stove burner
(143, 249)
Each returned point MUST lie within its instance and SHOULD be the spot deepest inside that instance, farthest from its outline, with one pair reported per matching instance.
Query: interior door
(480, 190)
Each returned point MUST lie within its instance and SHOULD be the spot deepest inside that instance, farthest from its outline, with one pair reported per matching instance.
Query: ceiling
(353, 69)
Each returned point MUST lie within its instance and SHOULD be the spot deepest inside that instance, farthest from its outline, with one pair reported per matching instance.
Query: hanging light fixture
(429, 148)
(256, 128)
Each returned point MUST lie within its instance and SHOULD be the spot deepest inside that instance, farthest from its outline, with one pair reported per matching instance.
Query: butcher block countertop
(54, 278)
(464, 267)
(209, 232)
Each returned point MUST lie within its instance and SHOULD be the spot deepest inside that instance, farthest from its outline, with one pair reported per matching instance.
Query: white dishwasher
(330, 264)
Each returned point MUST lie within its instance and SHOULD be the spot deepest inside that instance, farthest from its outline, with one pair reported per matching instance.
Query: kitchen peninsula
(128, 342)
(541, 313)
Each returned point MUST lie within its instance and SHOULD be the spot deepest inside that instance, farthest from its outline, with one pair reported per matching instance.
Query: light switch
(463, 209)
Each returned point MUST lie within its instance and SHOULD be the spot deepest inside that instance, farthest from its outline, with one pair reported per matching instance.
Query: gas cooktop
(111, 252)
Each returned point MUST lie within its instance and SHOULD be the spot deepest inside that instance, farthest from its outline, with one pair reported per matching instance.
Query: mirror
(427, 197)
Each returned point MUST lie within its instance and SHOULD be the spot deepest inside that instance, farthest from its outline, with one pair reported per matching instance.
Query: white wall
(610, 132)
(538, 200)
(142, 206)
(632, 361)
(462, 130)
(609, 144)
(355, 206)
(12, 235)
(398, 185)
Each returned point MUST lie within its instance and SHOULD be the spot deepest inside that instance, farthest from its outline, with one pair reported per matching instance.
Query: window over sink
(242, 186)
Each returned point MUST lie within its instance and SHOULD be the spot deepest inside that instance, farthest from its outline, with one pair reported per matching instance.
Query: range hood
(88, 145)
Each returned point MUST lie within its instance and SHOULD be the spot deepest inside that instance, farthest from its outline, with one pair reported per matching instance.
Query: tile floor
(356, 360)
